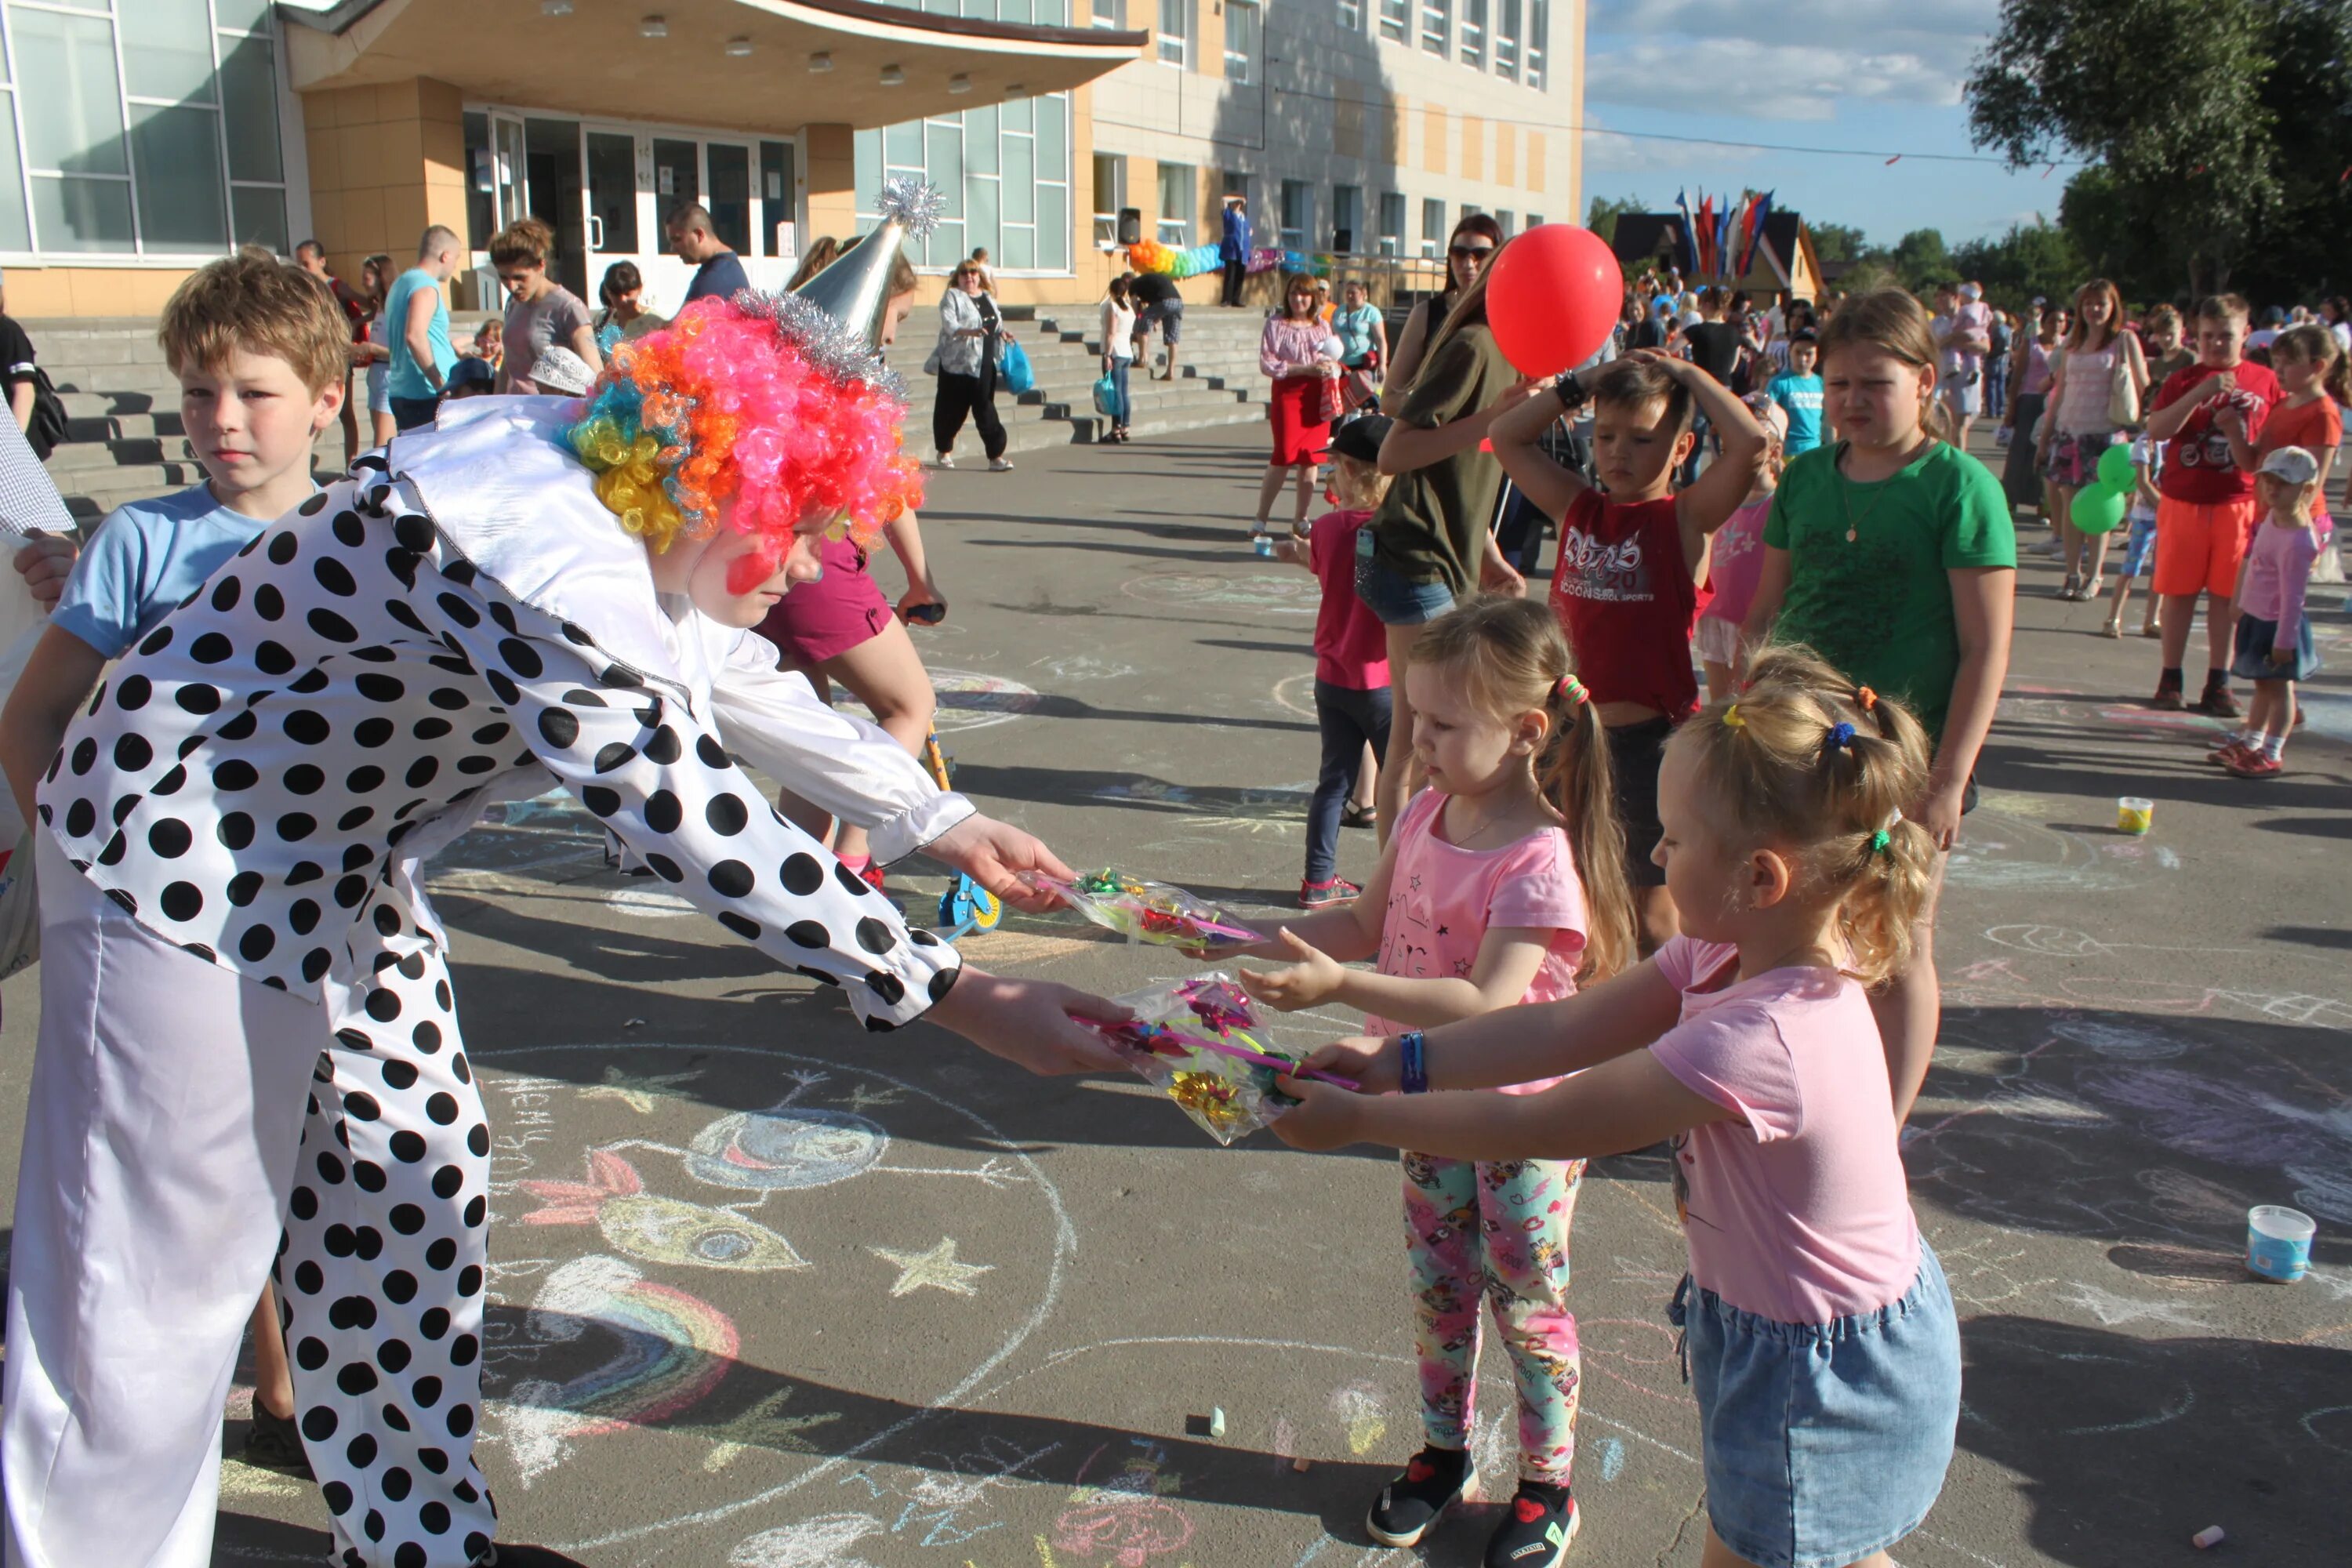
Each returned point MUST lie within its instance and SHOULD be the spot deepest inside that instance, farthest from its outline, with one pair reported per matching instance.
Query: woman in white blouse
(1119, 355)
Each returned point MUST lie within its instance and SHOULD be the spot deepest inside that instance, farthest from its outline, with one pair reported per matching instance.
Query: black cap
(1361, 438)
(470, 371)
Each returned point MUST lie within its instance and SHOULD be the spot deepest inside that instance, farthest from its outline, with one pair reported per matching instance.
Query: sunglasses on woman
(1471, 252)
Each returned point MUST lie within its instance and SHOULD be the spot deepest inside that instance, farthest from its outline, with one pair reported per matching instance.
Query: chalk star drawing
(937, 1267)
(765, 1425)
(866, 1097)
(636, 1091)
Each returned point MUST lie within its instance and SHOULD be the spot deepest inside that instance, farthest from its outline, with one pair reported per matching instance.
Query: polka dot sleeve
(639, 759)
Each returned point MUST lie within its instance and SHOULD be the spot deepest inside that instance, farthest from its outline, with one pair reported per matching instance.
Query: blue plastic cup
(2278, 1242)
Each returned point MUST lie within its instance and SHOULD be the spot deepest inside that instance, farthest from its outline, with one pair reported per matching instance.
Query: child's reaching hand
(1323, 1117)
(1314, 977)
(1374, 1061)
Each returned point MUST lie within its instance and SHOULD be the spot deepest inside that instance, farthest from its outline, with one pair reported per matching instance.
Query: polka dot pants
(380, 1277)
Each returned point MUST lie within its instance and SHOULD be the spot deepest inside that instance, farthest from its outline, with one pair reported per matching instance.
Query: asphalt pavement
(850, 1299)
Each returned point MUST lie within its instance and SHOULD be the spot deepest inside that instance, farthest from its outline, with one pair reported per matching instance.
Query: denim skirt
(1823, 1441)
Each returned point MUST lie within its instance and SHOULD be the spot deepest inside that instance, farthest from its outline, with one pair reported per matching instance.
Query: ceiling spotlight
(893, 76)
(1016, 89)
(555, 7)
(738, 49)
(653, 28)
(820, 63)
(959, 83)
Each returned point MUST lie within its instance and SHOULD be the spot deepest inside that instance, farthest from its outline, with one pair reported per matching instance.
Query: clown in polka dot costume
(247, 1014)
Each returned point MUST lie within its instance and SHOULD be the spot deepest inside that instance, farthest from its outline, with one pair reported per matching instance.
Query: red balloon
(1553, 297)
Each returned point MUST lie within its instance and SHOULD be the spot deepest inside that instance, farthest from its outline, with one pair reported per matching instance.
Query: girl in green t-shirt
(1891, 553)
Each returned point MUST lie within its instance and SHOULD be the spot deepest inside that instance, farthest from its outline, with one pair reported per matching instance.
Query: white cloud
(1614, 152)
(1829, 20)
(1765, 80)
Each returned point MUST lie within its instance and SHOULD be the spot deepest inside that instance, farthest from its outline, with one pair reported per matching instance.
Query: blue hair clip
(1841, 736)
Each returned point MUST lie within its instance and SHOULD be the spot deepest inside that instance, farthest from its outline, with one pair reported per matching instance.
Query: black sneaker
(275, 1443)
(1536, 1529)
(1433, 1480)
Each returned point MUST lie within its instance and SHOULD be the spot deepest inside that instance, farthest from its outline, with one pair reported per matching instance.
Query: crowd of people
(1660, 852)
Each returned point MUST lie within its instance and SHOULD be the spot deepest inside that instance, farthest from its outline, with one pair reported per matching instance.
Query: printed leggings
(1496, 1232)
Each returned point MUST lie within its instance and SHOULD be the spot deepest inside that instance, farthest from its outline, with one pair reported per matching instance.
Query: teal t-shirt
(1799, 397)
(407, 379)
(1879, 605)
(145, 558)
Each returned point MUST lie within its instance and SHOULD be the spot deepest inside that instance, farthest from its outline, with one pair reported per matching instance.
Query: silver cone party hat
(855, 290)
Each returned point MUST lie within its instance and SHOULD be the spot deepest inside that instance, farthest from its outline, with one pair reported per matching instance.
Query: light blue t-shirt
(146, 557)
(1799, 397)
(407, 377)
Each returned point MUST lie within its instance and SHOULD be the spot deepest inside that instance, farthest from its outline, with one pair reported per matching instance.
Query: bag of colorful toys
(1155, 912)
(1198, 1041)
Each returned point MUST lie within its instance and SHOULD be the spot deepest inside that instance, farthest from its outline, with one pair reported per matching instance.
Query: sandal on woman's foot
(2111, 630)
(2073, 584)
(1360, 817)
(275, 1443)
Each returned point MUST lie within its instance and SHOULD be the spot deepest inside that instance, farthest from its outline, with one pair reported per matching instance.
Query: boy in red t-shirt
(1625, 589)
(2205, 507)
(1352, 701)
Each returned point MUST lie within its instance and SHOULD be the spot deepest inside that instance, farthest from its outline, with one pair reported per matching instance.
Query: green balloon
(2098, 509)
(2115, 468)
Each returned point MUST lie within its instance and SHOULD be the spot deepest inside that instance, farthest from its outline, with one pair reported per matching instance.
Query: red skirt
(823, 619)
(1299, 436)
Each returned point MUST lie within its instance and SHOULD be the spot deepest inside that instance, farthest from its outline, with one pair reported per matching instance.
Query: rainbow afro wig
(763, 399)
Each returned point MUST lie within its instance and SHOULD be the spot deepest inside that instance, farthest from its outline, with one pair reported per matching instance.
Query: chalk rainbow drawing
(658, 1229)
(671, 1350)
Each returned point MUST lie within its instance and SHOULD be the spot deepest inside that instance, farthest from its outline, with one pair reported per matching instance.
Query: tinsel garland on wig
(763, 398)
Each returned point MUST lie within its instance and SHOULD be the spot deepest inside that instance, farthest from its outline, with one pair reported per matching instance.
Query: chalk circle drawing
(658, 1350)
(1297, 693)
(1290, 594)
(821, 1543)
(650, 903)
(672, 1349)
(968, 699)
(788, 1147)
(657, 1229)
(2122, 1042)
(2005, 846)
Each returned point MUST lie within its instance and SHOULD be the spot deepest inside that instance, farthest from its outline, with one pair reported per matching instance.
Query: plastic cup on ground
(2134, 814)
(2278, 1242)
(1264, 545)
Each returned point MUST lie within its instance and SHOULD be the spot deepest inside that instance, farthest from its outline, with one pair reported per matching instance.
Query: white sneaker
(1000, 465)
(945, 460)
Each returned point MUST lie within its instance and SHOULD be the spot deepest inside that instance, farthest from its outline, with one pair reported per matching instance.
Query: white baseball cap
(2294, 465)
(558, 369)
(1970, 292)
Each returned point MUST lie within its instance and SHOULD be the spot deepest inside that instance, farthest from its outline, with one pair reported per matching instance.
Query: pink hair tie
(1571, 690)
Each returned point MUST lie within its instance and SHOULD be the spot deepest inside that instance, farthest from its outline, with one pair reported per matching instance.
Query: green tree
(1602, 217)
(2166, 94)
(2036, 260)
(1837, 242)
(1922, 260)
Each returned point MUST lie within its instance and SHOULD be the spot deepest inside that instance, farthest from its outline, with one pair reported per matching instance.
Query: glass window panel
(1020, 248)
(947, 240)
(983, 203)
(1053, 138)
(730, 195)
(678, 175)
(1175, 31)
(1538, 25)
(1392, 223)
(249, 94)
(1436, 24)
(1110, 12)
(943, 166)
(1020, 114)
(100, 6)
(980, 156)
(1347, 218)
(1020, 180)
(1473, 33)
(73, 104)
(779, 197)
(1240, 41)
(1395, 16)
(260, 212)
(902, 145)
(1175, 205)
(245, 16)
(1432, 225)
(1054, 227)
(613, 192)
(1004, 10)
(182, 200)
(16, 228)
(81, 215)
(1351, 16)
(482, 181)
(1507, 39)
(866, 167)
(167, 50)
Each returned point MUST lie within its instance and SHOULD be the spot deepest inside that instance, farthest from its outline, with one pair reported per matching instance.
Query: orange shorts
(2201, 544)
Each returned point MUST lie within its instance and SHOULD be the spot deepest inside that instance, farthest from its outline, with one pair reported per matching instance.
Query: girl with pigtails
(1504, 883)
(1821, 1339)
(247, 1019)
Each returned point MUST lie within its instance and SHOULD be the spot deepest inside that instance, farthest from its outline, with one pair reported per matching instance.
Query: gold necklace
(1845, 489)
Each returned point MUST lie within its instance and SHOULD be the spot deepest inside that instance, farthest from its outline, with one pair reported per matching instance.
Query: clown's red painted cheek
(747, 571)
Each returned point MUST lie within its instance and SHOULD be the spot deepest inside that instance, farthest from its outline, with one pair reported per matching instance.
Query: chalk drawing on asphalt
(935, 1267)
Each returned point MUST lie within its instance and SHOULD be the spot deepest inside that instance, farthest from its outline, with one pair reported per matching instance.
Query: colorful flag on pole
(1690, 233)
(1763, 215)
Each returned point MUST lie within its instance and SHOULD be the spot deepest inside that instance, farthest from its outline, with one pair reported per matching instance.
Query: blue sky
(1825, 73)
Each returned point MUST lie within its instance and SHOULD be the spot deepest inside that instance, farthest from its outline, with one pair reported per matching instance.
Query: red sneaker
(2250, 764)
(1319, 895)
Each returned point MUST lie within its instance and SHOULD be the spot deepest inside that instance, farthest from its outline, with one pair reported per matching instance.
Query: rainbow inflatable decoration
(1151, 255)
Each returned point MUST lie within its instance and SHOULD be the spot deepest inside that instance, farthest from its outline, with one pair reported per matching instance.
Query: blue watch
(1414, 1074)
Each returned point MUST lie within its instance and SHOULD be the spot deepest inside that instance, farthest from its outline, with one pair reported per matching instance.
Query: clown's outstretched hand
(994, 854)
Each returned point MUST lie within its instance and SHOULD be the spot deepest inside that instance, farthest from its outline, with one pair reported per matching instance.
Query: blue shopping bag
(1106, 396)
(1013, 364)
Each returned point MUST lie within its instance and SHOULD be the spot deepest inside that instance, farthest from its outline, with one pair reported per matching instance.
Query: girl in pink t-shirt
(1503, 883)
(1736, 558)
(1821, 1338)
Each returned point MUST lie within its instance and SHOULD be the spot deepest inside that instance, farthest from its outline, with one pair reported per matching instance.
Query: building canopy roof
(595, 60)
